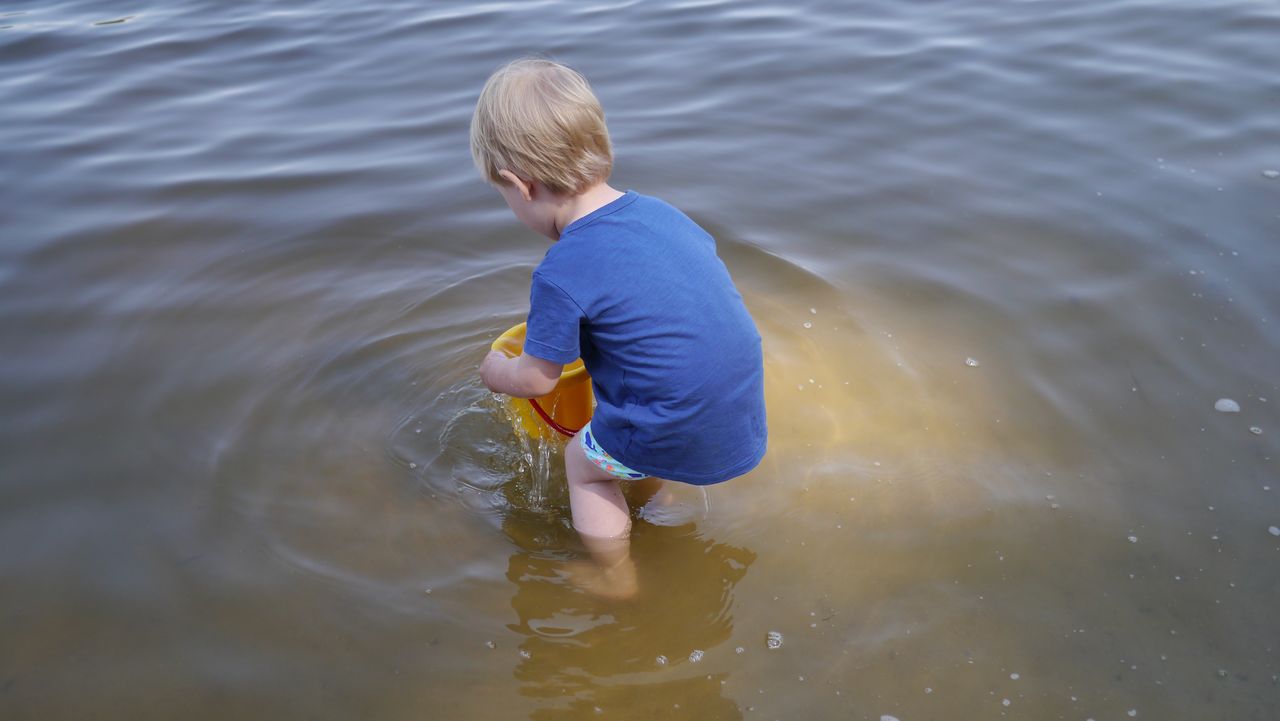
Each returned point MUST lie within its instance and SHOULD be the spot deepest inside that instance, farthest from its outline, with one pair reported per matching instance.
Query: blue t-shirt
(636, 289)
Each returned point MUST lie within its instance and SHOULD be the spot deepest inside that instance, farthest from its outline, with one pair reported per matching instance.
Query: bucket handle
(546, 417)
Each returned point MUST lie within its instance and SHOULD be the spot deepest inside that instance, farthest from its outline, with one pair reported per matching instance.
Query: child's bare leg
(643, 490)
(595, 497)
(600, 516)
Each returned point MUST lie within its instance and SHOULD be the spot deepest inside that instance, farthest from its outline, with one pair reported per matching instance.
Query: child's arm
(523, 376)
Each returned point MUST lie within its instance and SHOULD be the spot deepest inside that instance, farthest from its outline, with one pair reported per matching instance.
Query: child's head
(540, 121)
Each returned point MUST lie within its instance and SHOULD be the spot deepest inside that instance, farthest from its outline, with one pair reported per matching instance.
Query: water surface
(247, 272)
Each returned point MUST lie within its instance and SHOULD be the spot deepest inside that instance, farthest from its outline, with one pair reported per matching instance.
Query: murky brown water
(247, 272)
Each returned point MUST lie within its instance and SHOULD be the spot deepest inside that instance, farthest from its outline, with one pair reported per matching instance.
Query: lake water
(1005, 257)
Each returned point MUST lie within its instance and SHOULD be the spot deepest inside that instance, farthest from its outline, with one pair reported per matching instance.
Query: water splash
(535, 453)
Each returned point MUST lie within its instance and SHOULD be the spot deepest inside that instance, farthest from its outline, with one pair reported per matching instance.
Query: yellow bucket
(563, 411)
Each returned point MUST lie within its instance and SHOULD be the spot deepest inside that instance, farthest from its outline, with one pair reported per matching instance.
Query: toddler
(633, 287)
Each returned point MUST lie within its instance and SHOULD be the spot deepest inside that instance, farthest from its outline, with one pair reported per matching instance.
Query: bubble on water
(739, 650)
(1255, 430)
(774, 639)
(417, 430)
(1274, 530)
(1226, 405)
(928, 690)
(1015, 676)
(1005, 702)
(491, 644)
(662, 660)
(695, 656)
(1133, 539)
(1271, 174)
(971, 362)
(413, 466)
(807, 324)
(813, 311)
(525, 654)
(887, 717)
(1132, 712)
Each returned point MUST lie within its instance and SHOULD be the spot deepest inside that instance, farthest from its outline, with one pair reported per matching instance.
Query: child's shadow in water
(583, 656)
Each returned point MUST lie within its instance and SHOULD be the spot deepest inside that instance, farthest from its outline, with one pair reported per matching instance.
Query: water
(537, 466)
(247, 272)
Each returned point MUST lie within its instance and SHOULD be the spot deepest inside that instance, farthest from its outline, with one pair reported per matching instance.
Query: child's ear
(524, 186)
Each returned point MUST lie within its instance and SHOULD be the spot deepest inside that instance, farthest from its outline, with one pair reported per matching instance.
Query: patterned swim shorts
(603, 460)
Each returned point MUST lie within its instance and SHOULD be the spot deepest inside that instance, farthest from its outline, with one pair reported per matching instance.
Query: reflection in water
(582, 656)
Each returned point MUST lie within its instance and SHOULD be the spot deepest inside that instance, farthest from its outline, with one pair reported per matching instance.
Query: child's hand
(488, 369)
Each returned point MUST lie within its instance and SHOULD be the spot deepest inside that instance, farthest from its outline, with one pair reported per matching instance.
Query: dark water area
(1005, 257)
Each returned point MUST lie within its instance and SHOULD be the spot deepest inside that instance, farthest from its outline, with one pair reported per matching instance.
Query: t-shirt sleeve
(554, 318)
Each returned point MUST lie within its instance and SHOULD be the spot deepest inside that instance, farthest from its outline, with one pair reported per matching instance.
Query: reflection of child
(635, 288)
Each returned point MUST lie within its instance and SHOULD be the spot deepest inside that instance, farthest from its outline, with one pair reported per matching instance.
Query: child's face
(533, 205)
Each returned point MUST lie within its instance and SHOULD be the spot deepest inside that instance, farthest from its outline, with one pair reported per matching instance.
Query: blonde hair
(540, 120)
